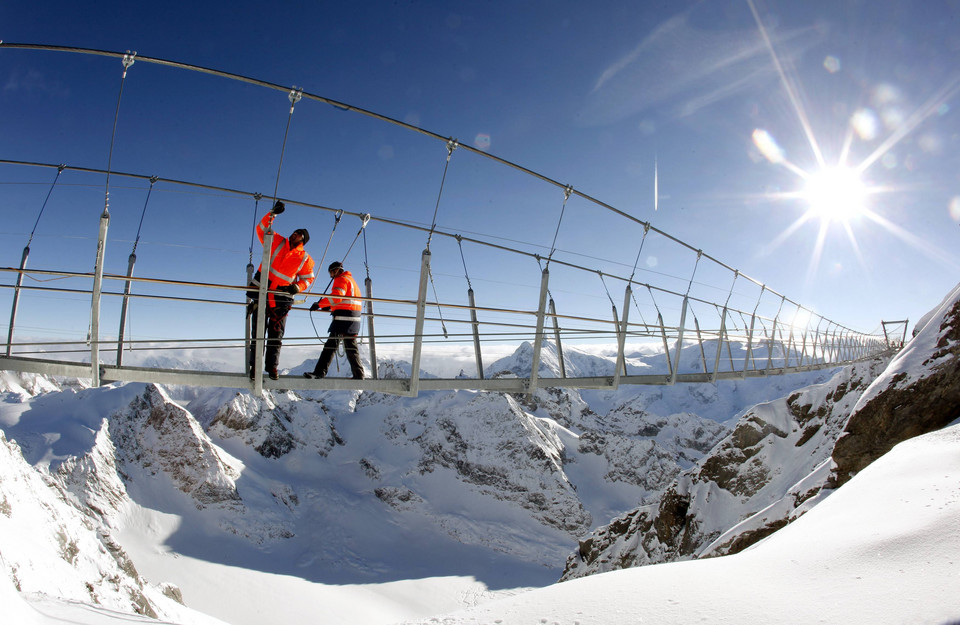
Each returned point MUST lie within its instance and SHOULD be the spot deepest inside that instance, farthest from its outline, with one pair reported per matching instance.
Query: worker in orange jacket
(291, 271)
(345, 308)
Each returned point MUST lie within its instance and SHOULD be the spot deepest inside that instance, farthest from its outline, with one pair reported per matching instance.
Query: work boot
(274, 374)
(312, 376)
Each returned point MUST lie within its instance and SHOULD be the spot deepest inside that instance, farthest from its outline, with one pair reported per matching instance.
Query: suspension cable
(553, 246)
(294, 97)
(465, 273)
(443, 325)
(336, 222)
(59, 171)
(452, 144)
(366, 262)
(602, 281)
(692, 275)
(127, 61)
(136, 241)
(256, 211)
(646, 230)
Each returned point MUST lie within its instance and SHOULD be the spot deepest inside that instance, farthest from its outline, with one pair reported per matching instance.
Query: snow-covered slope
(774, 446)
(334, 488)
(883, 549)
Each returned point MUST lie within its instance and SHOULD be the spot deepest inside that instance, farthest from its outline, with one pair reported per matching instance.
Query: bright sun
(835, 194)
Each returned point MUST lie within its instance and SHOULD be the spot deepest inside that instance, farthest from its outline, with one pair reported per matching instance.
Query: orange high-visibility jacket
(287, 266)
(342, 304)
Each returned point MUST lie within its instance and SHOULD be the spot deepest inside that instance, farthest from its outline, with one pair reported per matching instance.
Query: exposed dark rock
(904, 409)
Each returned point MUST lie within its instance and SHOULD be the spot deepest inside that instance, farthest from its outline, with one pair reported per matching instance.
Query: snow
(885, 548)
(479, 498)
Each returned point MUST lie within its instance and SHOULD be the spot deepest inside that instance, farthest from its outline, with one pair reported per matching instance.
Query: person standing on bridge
(345, 326)
(291, 271)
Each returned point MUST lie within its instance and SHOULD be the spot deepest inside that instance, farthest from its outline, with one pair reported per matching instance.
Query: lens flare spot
(832, 64)
(955, 208)
(865, 123)
(482, 141)
(768, 146)
(652, 261)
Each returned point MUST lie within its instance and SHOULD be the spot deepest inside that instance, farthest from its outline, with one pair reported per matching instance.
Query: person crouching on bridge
(291, 271)
(345, 326)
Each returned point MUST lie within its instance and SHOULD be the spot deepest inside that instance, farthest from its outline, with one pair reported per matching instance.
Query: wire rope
(294, 97)
(143, 212)
(452, 145)
(253, 229)
(553, 246)
(466, 274)
(128, 60)
(44, 206)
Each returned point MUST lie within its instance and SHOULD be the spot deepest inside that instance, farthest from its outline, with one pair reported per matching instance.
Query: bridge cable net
(189, 286)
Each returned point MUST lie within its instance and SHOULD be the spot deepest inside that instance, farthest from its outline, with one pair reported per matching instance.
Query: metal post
(16, 298)
(723, 328)
(621, 364)
(803, 350)
(786, 357)
(476, 333)
(676, 356)
(414, 388)
(773, 338)
(95, 301)
(260, 331)
(247, 333)
(556, 337)
(538, 339)
(703, 354)
(368, 285)
(666, 348)
(746, 360)
(131, 261)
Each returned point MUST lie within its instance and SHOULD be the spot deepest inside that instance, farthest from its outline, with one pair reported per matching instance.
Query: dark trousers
(330, 348)
(276, 324)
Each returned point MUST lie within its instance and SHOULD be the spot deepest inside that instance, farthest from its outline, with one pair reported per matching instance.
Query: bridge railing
(737, 344)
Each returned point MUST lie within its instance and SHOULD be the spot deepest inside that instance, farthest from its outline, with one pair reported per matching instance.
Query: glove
(290, 288)
(278, 208)
(314, 307)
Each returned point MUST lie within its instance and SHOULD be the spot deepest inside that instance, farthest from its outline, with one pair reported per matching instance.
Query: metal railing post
(368, 286)
(261, 312)
(723, 328)
(556, 337)
(703, 354)
(476, 332)
(131, 261)
(676, 356)
(621, 363)
(666, 347)
(749, 355)
(95, 300)
(247, 333)
(16, 298)
(414, 386)
(538, 339)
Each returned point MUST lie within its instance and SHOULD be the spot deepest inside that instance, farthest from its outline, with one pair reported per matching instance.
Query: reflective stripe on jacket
(342, 303)
(287, 266)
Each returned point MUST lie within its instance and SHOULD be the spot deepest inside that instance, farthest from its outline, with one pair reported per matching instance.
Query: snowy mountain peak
(155, 433)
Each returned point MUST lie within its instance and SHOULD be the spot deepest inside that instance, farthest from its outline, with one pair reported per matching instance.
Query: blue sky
(591, 95)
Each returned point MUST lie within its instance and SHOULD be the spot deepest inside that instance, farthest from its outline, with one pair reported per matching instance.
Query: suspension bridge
(712, 323)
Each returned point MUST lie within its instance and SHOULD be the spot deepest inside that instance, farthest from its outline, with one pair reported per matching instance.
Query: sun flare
(836, 194)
